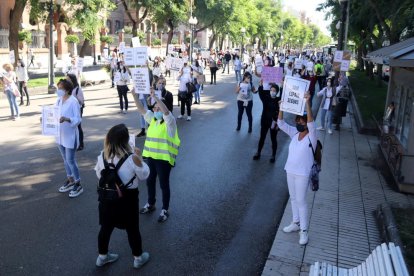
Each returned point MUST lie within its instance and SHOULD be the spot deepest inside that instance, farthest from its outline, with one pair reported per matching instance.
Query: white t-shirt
(126, 172)
(300, 156)
(69, 133)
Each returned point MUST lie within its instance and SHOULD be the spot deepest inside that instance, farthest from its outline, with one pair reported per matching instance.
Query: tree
(137, 11)
(15, 17)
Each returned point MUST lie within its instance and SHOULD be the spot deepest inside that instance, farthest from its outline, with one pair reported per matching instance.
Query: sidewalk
(342, 227)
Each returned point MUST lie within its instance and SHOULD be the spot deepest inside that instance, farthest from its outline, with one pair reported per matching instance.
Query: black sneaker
(163, 216)
(147, 209)
(66, 187)
(256, 156)
(77, 190)
(272, 160)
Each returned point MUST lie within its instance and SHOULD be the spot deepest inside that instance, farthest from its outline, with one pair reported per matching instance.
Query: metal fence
(38, 39)
(4, 38)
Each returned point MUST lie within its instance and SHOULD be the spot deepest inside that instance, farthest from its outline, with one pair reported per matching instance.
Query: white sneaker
(329, 131)
(320, 128)
(188, 118)
(125, 111)
(180, 117)
(303, 237)
(293, 227)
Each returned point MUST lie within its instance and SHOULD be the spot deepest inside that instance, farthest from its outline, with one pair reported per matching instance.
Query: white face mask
(328, 84)
(60, 92)
(273, 94)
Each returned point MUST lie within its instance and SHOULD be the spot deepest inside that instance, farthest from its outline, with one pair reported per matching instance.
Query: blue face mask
(158, 115)
(60, 92)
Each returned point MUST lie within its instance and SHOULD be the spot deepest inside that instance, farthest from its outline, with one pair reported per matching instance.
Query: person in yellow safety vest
(160, 150)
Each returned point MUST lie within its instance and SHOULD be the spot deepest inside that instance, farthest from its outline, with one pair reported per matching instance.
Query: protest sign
(205, 54)
(140, 79)
(338, 55)
(294, 90)
(345, 65)
(121, 47)
(105, 52)
(170, 48)
(298, 63)
(135, 42)
(50, 120)
(259, 64)
(141, 55)
(129, 57)
(272, 74)
(342, 61)
(177, 64)
(79, 64)
(12, 57)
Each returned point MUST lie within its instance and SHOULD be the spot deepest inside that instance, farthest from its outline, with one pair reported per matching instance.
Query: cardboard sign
(298, 63)
(343, 63)
(140, 80)
(121, 47)
(272, 74)
(294, 90)
(129, 57)
(259, 64)
(50, 120)
(338, 56)
(79, 64)
(135, 42)
(205, 54)
(12, 57)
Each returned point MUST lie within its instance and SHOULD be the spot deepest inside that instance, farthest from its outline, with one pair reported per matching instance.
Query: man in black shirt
(226, 62)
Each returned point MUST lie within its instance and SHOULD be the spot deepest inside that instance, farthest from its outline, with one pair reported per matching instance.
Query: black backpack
(110, 186)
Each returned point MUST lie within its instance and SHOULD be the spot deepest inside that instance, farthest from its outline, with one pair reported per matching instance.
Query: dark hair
(21, 62)
(119, 67)
(73, 79)
(304, 117)
(67, 85)
(116, 142)
(275, 86)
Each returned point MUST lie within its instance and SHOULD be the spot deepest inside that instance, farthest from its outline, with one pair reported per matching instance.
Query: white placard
(170, 48)
(259, 64)
(294, 90)
(79, 64)
(158, 93)
(298, 63)
(140, 80)
(205, 54)
(338, 56)
(129, 56)
(177, 64)
(345, 65)
(12, 57)
(50, 120)
(106, 53)
(183, 47)
(244, 89)
(117, 77)
(141, 55)
(135, 42)
(121, 47)
(131, 141)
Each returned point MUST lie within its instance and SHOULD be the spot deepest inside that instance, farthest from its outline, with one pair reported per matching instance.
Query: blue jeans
(323, 115)
(197, 93)
(69, 161)
(144, 104)
(238, 75)
(12, 102)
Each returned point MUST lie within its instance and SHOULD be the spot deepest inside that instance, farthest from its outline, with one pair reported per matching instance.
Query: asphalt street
(224, 208)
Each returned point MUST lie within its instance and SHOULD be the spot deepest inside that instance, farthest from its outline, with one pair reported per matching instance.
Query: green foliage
(25, 36)
(107, 39)
(141, 35)
(156, 41)
(72, 39)
(128, 29)
(174, 40)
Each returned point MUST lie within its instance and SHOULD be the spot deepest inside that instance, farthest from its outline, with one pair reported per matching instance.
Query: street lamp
(193, 21)
(52, 88)
(243, 31)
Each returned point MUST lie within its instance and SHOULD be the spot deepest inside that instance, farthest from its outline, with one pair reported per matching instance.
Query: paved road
(224, 206)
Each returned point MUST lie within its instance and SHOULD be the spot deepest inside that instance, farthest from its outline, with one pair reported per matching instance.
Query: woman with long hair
(78, 93)
(10, 89)
(122, 213)
(22, 78)
(122, 87)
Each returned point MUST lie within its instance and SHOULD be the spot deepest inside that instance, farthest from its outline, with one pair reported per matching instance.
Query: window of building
(109, 26)
(117, 25)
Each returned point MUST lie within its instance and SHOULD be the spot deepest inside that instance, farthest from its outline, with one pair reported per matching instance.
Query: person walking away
(68, 139)
(122, 87)
(298, 166)
(319, 71)
(161, 149)
(237, 68)
(11, 90)
(245, 92)
(78, 93)
(213, 68)
(22, 79)
(122, 213)
(184, 96)
(270, 100)
(31, 57)
(227, 59)
(282, 61)
(197, 71)
(114, 62)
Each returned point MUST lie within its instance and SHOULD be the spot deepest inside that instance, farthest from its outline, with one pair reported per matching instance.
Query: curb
(387, 226)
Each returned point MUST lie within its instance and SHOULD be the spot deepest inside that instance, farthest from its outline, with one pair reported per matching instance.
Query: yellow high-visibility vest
(159, 145)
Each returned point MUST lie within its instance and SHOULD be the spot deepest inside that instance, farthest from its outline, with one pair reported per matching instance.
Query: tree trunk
(85, 46)
(15, 18)
(212, 40)
(170, 33)
(379, 75)
(221, 42)
(360, 61)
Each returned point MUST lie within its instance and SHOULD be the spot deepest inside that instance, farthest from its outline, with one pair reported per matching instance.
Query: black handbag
(191, 88)
(316, 167)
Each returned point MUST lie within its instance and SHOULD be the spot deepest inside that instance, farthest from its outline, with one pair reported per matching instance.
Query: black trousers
(23, 91)
(263, 133)
(213, 72)
(80, 130)
(162, 169)
(241, 107)
(123, 97)
(321, 81)
(186, 103)
(130, 220)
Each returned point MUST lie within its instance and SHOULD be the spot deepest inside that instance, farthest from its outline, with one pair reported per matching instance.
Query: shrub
(25, 36)
(107, 39)
(72, 39)
(156, 42)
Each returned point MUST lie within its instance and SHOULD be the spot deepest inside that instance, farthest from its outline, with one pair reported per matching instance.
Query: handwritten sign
(259, 64)
(298, 63)
(345, 65)
(294, 90)
(272, 74)
(342, 61)
(129, 57)
(79, 64)
(140, 79)
(136, 56)
(338, 56)
(50, 120)
(177, 64)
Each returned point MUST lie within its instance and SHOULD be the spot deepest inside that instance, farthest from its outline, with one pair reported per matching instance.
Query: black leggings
(263, 133)
(186, 103)
(123, 97)
(249, 107)
(80, 130)
(213, 72)
(23, 91)
(161, 169)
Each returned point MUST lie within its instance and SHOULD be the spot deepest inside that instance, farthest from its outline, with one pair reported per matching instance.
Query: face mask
(60, 92)
(160, 86)
(273, 94)
(328, 84)
(300, 128)
(158, 115)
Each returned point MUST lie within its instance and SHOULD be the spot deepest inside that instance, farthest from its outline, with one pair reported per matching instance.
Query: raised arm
(160, 103)
(138, 104)
(308, 107)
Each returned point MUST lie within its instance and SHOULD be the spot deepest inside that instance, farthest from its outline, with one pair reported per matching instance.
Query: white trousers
(298, 187)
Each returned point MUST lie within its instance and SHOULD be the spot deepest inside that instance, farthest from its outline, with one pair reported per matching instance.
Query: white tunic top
(69, 133)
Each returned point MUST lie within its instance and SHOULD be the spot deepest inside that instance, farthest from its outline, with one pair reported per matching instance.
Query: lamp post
(193, 21)
(243, 31)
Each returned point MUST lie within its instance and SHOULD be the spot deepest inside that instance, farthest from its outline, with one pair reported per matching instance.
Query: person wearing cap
(160, 150)
(298, 167)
